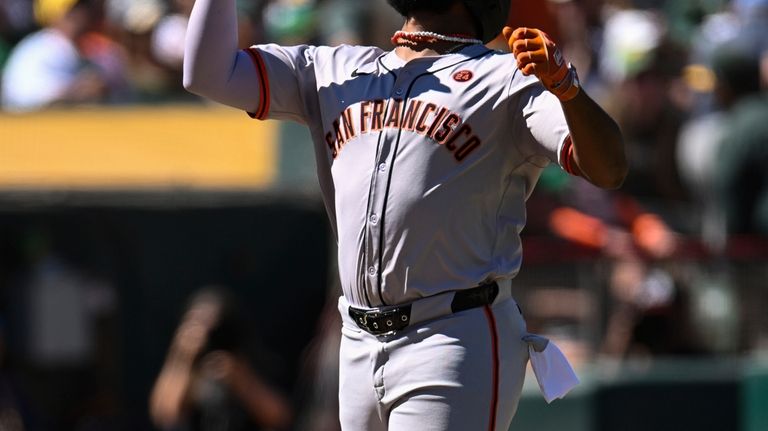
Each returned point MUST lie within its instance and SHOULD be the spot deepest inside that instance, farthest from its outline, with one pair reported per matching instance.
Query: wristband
(568, 87)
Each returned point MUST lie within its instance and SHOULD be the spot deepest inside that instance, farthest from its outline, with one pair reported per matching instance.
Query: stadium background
(115, 209)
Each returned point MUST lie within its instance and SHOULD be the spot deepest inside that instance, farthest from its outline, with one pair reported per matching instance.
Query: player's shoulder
(501, 67)
(350, 53)
(326, 61)
(324, 51)
(339, 63)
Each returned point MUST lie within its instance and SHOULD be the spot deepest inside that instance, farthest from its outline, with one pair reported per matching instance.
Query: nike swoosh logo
(356, 73)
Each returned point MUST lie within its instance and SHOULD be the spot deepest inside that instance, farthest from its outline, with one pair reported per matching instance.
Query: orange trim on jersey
(495, 352)
(263, 109)
(566, 158)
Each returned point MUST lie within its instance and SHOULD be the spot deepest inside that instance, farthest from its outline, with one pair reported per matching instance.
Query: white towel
(550, 366)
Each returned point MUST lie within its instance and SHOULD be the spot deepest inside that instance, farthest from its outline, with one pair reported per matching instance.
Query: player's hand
(537, 54)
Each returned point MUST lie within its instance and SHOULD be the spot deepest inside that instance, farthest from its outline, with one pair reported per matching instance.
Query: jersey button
(399, 91)
(373, 219)
(382, 167)
(371, 271)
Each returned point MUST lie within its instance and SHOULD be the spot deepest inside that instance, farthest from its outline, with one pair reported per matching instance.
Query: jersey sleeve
(540, 129)
(287, 82)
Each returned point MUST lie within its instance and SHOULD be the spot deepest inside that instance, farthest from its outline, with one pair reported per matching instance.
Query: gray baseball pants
(461, 372)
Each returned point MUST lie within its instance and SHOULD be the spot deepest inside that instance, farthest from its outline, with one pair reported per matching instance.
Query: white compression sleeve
(213, 66)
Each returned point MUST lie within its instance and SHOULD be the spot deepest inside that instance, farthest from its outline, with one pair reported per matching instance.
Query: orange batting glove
(537, 54)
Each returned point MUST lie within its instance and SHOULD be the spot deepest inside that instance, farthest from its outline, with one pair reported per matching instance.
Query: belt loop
(505, 290)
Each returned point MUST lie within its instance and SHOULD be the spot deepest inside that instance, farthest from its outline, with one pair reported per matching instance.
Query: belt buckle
(384, 322)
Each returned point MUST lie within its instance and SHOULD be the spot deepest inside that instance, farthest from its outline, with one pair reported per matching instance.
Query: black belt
(396, 318)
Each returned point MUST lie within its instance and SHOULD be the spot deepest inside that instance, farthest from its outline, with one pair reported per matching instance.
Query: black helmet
(491, 15)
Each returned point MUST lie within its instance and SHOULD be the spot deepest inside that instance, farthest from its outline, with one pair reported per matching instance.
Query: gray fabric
(416, 212)
(437, 376)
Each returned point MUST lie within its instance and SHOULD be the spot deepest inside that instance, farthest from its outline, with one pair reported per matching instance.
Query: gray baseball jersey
(424, 166)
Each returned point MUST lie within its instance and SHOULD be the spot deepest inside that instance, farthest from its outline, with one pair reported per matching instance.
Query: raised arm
(214, 67)
(596, 147)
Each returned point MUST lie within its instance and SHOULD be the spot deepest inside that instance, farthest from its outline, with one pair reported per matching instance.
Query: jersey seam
(494, 249)
(406, 96)
(369, 207)
(382, 222)
(497, 223)
(371, 203)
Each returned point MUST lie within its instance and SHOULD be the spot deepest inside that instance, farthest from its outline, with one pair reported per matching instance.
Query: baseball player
(425, 157)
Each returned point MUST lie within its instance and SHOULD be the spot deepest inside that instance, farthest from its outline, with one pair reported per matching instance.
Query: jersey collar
(391, 61)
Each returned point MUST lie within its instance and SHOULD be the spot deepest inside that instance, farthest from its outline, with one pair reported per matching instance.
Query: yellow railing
(147, 147)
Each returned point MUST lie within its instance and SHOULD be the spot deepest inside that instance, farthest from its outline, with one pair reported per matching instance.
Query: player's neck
(456, 21)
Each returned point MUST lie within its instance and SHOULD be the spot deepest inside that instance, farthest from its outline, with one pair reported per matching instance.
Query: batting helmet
(491, 15)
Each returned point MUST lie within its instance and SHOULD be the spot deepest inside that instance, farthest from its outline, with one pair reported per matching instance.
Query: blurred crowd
(55, 52)
(687, 82)
(679, 76)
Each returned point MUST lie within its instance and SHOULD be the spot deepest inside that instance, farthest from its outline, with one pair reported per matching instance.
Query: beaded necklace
(416, 37)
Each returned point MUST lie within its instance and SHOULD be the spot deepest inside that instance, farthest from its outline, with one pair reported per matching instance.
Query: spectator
(290, 21)
(725, 71)
(704, 138)
(741, 180)
(50, 66)
(643, 65)
(208, 381)
(15, 22)
(168, 35)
